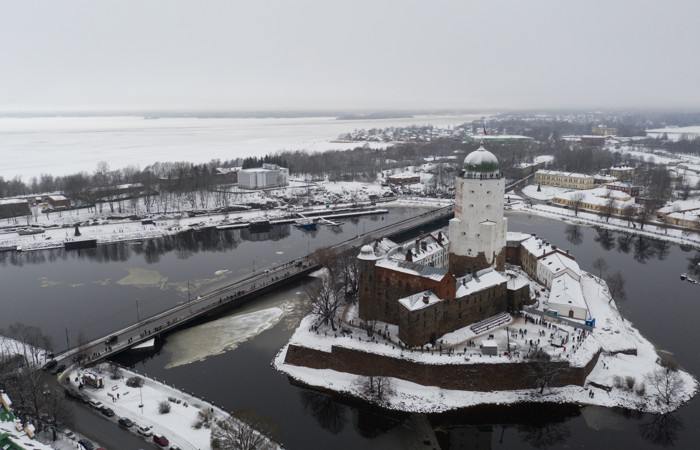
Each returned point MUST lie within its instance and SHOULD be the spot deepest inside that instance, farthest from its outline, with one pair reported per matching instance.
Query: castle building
(478, 231)
(427, 295)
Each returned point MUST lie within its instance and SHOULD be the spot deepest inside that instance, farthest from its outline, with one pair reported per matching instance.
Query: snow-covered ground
(546, 192)
(661, 232)
(177, 425)
(612, 335)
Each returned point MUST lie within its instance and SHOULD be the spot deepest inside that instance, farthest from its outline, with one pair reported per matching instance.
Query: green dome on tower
(481, 161)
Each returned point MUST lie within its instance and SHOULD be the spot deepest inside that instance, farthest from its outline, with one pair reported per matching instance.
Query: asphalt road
(103, 431)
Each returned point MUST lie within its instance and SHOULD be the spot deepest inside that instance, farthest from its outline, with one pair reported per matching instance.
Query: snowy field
(63, 145)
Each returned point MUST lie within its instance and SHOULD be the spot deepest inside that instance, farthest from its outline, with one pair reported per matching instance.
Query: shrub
(629, 381)
(164, 407)
(617, 381)
(134, 382)
(206, 416)
(197, 425)
(641, 389)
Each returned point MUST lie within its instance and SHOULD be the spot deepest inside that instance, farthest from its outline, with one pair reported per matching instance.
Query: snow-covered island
(478, 316)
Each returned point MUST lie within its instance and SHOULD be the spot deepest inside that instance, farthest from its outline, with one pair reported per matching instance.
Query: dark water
(89, 292)
(661, 306)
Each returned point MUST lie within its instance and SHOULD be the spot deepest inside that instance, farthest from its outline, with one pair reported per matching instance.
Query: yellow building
(569, 180)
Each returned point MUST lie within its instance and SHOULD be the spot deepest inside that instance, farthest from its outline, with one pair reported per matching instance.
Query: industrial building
(267, 176)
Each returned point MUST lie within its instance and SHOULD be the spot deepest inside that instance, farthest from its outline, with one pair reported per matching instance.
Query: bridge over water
(231, 294)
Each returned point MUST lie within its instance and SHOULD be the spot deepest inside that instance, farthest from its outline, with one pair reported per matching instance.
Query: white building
(566, 298)
(478, 231)
(267, 176)
(554, 265)
(429, 250)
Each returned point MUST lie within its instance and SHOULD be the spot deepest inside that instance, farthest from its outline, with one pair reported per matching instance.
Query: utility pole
(138, 314)
(67, 340)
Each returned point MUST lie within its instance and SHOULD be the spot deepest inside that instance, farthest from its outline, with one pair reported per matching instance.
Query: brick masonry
(469, 377)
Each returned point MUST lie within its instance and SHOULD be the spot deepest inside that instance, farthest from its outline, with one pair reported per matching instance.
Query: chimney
(409, 255)
(417, 245)
(426, 298)
(439, 237)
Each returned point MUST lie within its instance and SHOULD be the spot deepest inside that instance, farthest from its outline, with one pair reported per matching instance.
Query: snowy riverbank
(141, 405)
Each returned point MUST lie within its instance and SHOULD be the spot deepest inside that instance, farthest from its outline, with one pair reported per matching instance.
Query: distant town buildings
(267, 176)
(602, 130)
(403, 178)
(623, 173)
(675, 133)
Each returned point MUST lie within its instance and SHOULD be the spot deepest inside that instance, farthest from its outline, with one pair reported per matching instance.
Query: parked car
(109, 412)
(144, 431)
(69, 434)
(95, 404)
(175, 447)
(125, 422)
(87, 445)
(161, 440)
(58, 369)
(50, 365)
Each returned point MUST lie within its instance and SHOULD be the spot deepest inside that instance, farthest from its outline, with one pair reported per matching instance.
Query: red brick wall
(473, 377)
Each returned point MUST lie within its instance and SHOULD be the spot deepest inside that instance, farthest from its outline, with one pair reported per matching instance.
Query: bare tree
(666, 384)
(233, 434)
(608, 208)
(616, 286)
(628, 213)
(542, 369)
(325, 301)
(645, 213)
(576, 201)
(375, 388)
(600, 266)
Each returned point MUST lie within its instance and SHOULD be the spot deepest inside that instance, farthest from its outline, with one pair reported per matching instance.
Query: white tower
(478, 230)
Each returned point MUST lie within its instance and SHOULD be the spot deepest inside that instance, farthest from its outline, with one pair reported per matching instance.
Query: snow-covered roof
(420, 300)
(484, 279)
(428, 245)
(564, 174)
(558, 262)
(516, 237)
(681, 206)
(412, 268)
(537, 246)
(516, 281)
(566, 290)
(405, 175)
(57, 198)
(623, 168)
(12, 201)
(599, 196)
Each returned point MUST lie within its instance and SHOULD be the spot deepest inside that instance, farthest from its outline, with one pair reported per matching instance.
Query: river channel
(73, 296)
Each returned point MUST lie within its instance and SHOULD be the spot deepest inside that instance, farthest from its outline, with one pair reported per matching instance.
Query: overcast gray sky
(298, 54)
